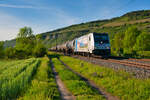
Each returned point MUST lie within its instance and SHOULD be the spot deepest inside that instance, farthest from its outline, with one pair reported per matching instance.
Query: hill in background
(141, 19)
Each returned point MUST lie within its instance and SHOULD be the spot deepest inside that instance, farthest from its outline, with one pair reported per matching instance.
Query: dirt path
(107, 95)
(65, 94)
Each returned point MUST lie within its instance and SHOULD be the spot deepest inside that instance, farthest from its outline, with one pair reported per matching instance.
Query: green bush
(144, 54)
(130, 42)
(130, 39)
(39, 50)
(10, 52)
(143, 42)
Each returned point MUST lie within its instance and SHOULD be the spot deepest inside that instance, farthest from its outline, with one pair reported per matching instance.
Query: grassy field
(15, 79)
(43, 86)
(118, 83)
(33, 79)
(30, 79)
(78, 87)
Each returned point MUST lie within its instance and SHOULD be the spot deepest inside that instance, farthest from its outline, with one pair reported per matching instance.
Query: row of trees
(130, 42)
(27, 45)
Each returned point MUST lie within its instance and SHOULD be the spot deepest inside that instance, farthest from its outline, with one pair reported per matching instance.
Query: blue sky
(46, 15)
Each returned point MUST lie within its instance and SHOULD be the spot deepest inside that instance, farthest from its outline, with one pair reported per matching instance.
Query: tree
(27, 45)
(10, 52)
(25, 36)
(130, 39)
(39, 50)
(143, 42)
(118, 43)
(25, 42)
(25, 32)
(39, 37)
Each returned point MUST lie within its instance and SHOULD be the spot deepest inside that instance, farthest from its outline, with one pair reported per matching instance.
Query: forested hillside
(118, 29)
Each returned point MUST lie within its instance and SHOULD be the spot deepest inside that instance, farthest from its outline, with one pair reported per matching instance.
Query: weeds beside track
(118, 83)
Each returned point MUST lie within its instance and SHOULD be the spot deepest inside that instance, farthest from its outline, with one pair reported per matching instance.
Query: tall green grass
(78, 87)
(14, 70)
(4, 64)
(43, 86)
(11, 88)
(119, 83)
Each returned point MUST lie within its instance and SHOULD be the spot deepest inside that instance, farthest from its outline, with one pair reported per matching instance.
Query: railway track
(107, 95)
(126, 62)
(132, 59)
(138, 70)
(130, 63)
(147, 60)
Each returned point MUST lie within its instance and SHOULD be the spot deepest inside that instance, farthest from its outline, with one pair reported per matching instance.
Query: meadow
(30, 79)
(43, 86)
(15, 77)
(119, 83)
(33, 79)
(77, 86)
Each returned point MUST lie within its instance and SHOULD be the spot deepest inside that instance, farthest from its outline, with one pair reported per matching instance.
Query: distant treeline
(131, 43)
(27, 45)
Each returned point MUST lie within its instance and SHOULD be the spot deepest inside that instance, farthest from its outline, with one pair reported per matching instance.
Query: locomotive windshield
(101, 38)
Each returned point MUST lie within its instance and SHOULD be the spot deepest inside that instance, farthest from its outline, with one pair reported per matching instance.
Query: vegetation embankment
(14, 81)
(43, 86)
(132, 43)
(78, 87)
(118, 83)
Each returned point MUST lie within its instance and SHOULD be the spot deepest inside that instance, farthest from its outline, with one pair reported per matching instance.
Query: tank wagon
(92, 43)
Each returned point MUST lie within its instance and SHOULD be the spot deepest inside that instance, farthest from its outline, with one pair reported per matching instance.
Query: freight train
(92, 43)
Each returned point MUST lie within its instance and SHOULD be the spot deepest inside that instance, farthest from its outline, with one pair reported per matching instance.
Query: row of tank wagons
(65, 48)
